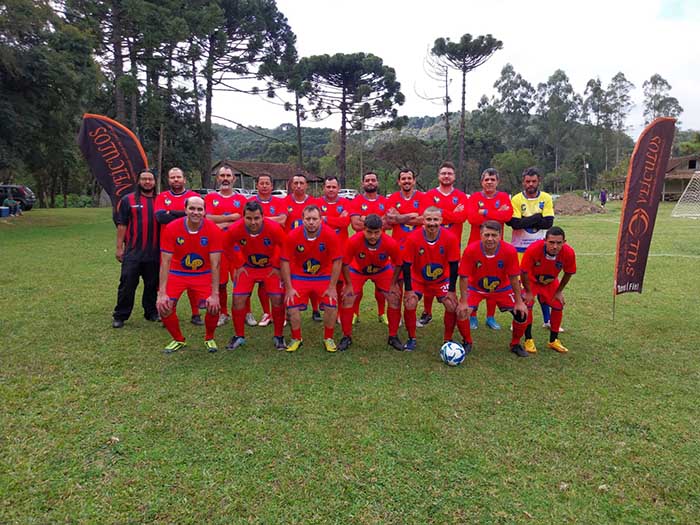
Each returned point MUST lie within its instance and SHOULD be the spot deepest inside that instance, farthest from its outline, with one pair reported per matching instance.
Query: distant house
(247, 173)
(678, 174)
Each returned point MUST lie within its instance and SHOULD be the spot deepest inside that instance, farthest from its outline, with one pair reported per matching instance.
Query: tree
(598, 112)
(510, 165)
(515, 101)
(618, 96)
(465, 56)
(358, 86)
(657, 101)
(440, 73)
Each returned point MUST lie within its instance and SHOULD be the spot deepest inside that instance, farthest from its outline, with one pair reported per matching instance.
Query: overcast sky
(590, 39)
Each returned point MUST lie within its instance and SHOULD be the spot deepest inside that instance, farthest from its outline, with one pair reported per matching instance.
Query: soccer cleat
(294, 345)
(467, 348)
(173, 346)
(210, 345)
(223, 319)
(197, 320)
(556, 345)
(473, 323)
(424, 320)
(329, 345)
(355, 318)
(383, 319)
(529, 346)
(235, 342)
(345, 343)
(316, 316)
(492, 324)
(265, 320)
(250, 319)
(279, 343)
(411, 344)
(117, 323)
(395, 343)
(518, 350)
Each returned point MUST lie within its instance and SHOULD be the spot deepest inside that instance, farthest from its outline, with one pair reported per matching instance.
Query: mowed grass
(99, 426)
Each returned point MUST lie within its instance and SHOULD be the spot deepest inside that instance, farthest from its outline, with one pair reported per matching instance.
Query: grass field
(99, 426)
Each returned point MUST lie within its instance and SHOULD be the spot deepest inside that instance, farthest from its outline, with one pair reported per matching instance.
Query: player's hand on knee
(410, 300)
(213, 305)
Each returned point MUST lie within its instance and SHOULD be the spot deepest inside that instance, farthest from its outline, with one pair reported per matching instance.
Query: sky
(597, 38)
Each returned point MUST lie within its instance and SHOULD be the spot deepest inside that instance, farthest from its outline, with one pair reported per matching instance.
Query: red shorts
(438, 290)
(199, 284)
(307, 289)
(226, 270)
(267, 277)
(504, 300)
(546, 295)
(381, 280)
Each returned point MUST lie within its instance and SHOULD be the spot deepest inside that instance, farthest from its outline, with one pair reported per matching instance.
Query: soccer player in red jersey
(190, 258)
(489, 269)
(372, 255)
(224, 207)
(256, 241)
(430, 261)
(487, 204)
(335, 214)
(453, 204)
(542, 263)
(274, 209)
(310, 265)
(404, 208)
(170, 205)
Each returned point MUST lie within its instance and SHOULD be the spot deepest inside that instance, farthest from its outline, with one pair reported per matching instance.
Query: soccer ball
(452, 353)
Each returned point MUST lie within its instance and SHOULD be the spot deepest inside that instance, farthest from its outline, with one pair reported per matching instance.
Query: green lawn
(99, 426)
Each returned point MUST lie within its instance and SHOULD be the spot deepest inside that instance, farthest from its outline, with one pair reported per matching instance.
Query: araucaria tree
(465, 56)
(657, 99)
(358, 86)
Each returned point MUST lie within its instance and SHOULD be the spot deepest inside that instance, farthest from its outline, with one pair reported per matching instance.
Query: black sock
(528, 331)
(553, 336)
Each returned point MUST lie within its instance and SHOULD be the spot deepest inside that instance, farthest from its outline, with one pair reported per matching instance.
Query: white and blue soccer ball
(452, 353)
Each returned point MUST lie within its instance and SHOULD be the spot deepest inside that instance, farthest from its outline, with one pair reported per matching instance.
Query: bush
(76, 201)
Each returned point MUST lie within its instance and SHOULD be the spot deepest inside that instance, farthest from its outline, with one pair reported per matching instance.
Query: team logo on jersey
(340, 208)
(455, 200)
(407, 227)
(237, 203)
(371, 268)
(523, 208)
(433, 272)
(538, 263)
(382, 256)
(478, 264)
(289, 209)
(321, 246)
(361, 255)
(421, 251)
(436, 199)
(192, 261)
(541, 205)
(311, 266)
(498, 204)
(364, 207)
(415, 204)
(398, 206)
(442, 250)
(501, 264)
(559, 265)
(204, 241)
(243, 242)
(300, 248)
(168, 202)
(215, 202)
(259, 260)
(489, 283)
(180, 241)
(272, 211)
(481, 204)
(324, 208)
(381, 207)
(545, 279)
(297, 223)
(266, 241)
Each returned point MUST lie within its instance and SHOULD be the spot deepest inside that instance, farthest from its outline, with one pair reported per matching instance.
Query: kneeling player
(255, 242)
(489, 270)
(540, 268)
(190, 259)
(371, 255)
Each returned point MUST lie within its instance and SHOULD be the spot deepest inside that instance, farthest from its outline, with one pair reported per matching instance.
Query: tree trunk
(118, 64)
(135, 93)
(343, 139)
(300, 160)
(462, 183)
(207, 138)
(447, 115)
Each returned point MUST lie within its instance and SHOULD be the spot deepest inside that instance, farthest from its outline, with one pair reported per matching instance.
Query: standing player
(256, 241)
(310, 265)
(540, 268)
(170, 205)
(453, 204)
(404, 207)
(224, 207)
(533, 215)
(334, 213)
(372, 255)
(430, 261)
(489, 204)
(489, 270)
(190, 258)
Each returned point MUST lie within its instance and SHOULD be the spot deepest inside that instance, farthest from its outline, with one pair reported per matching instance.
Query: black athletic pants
(133, 268)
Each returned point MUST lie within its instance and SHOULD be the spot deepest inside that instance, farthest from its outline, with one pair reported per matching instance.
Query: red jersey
(169, 201)
(430, 259)
(330, 211)
(254, 251)
(371, 260)
(295, 210)
(363, 206)
(452, 220)
(190, 250)
(489, 274)
(272, 207)
(478, 201)
(543, 269)
(217, 204)
(311, 259)
(416, 203)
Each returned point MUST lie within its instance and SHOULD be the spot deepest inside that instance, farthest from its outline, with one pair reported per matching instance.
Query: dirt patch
(572, 204)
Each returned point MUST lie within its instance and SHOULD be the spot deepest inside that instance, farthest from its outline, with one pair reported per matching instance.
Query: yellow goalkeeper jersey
(524, 207)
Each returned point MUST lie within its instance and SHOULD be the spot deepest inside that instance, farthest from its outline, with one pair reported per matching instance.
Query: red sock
(346, 321)
(239, 321)
(518, 331)
(555, 320)
(192, 296)
(428, 304)
(210, 325)
(278, 320)
(172, 325)
(296, 333)
(464, 330)
(223, 299)
(490, 308)
(328, 332)
(409, 319)
(450, 322)
(381, 302)
(264, 299)
(394, 320)
(356, 304)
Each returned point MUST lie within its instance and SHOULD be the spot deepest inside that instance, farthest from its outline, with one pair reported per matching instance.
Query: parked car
(279, 193)
(203, 191)
(20, 193)
(347, 193)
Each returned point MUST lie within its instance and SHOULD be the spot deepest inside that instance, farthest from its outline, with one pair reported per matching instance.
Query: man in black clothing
(138, 250)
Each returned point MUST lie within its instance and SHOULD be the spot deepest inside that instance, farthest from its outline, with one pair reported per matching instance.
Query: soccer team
(298, 250)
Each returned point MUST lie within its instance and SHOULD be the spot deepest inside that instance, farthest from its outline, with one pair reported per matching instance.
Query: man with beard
(405, 207)
(138, 250)
(170, 205)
